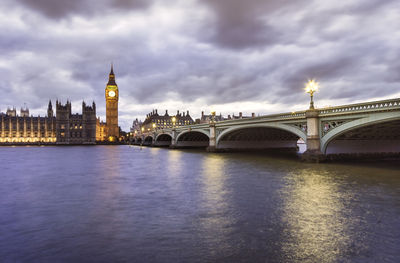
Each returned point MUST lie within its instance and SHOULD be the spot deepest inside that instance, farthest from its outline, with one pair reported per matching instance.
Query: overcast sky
(223, 55)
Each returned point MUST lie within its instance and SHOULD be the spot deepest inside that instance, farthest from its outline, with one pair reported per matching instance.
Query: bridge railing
(382, 105)
(271, 117)
(373, 106)
(177, 129)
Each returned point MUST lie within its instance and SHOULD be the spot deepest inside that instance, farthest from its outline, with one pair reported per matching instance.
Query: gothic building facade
(75, 128)
(61, 128)
(64, 127)
(25, 129)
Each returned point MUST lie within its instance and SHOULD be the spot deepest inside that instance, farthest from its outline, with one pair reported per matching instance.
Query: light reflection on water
(214, 218)
(314, 213)
(131, 204)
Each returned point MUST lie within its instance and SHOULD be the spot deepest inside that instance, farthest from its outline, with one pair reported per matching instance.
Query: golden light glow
(216, 194)
(142, 129)
(111, 93)
(314, 213)
(27, 139)
(213, 113)
(312, 86)
(174, 119)
(154, 125)
(111, 139)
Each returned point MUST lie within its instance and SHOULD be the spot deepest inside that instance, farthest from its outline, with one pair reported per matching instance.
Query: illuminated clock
(111, 93)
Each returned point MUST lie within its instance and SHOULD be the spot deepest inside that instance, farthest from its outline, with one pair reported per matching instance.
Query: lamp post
(311, 87)
(313, 142)
(213, 131)
(213, 117)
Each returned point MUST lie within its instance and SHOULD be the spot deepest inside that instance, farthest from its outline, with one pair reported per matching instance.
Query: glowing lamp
(212, 116)
(311, 87)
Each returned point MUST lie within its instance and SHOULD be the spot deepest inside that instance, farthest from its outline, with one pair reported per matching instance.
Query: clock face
(111, 93)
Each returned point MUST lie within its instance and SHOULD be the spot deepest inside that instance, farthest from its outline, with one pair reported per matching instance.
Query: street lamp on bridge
(311, 87)
(213, 117)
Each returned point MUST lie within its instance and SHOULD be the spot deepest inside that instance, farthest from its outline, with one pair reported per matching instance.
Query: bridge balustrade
(323, 130)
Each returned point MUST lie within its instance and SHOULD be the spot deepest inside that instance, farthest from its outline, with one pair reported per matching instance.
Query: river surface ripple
(127, 204)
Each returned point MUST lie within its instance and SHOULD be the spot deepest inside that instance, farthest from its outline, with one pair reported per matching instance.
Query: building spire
(111, 77)
(112, 69)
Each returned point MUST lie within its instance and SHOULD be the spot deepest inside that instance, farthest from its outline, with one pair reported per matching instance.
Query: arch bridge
(364, 128)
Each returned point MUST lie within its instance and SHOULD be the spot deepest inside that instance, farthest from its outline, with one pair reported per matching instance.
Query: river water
(132, 204)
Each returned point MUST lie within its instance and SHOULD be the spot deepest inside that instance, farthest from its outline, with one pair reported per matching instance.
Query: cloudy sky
(223, 55)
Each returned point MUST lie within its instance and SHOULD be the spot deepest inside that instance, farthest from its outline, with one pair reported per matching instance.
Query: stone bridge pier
(313, 142)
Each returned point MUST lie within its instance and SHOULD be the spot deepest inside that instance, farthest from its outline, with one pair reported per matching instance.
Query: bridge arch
(370, 120)
(163, 139)
(278, 126)
(207, 133)
(193, 138)
(163, 136)
(148, 140)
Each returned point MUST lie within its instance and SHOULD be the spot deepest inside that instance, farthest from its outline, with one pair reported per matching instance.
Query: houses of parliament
(63, 127)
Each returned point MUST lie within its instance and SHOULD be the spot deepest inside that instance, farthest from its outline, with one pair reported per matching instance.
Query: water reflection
(127, 204)
(315, 219)
(174, 165)
(173, 169)
(214, 218)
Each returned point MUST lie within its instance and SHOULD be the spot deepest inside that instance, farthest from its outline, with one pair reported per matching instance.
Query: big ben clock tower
(112, 108)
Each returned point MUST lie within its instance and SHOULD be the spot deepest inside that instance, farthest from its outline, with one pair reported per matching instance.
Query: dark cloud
(325, 71)
(56, 9)
(245, 24)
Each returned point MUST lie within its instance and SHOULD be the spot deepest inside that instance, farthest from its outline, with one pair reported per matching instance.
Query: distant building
(25, 129)
(136, 125)
(11, 112)
(155, 121)
(76, 128)
(24, 112)
(207, 118)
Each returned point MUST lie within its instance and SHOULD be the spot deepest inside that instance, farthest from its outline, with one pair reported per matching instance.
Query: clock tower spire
(112, 96)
